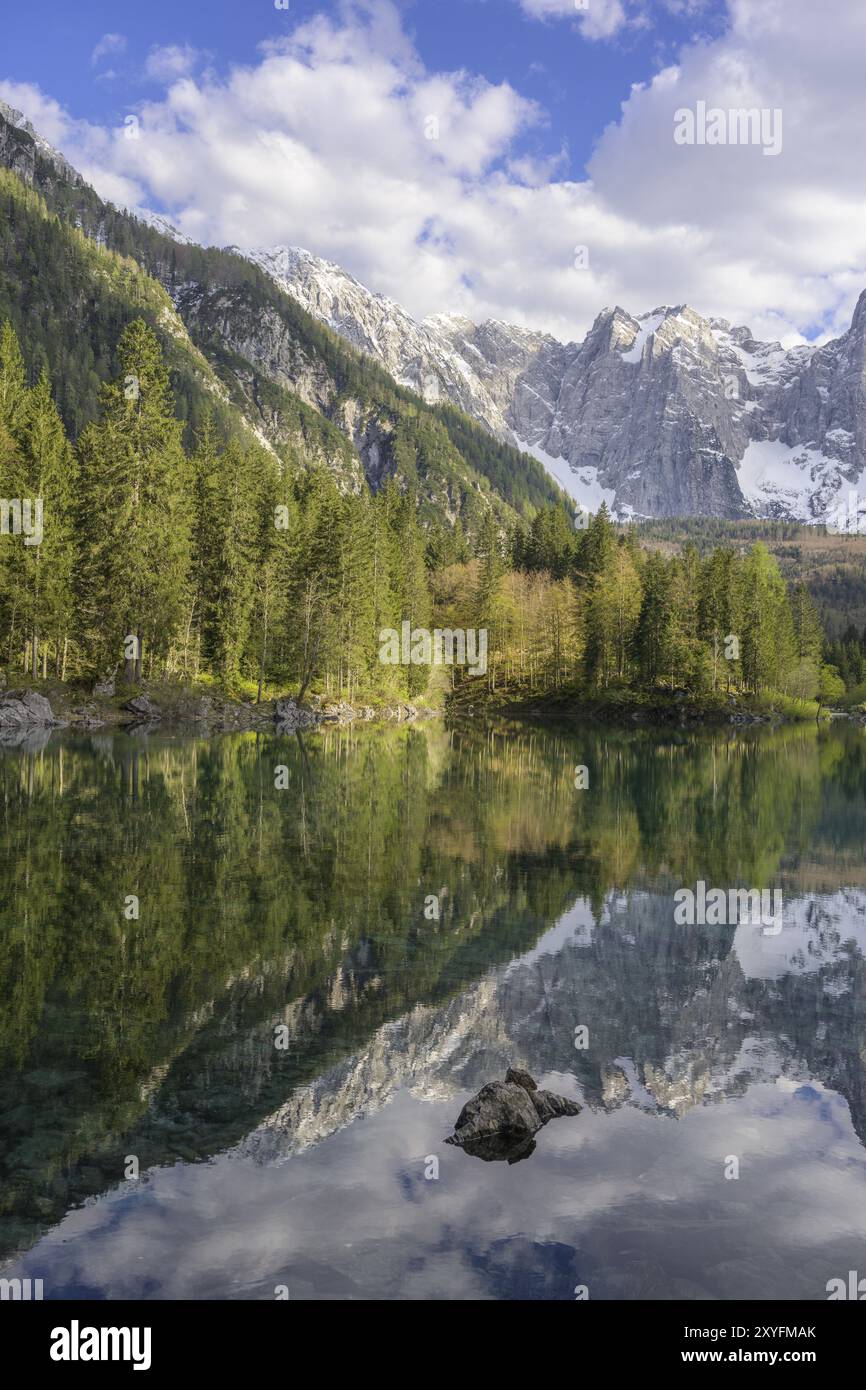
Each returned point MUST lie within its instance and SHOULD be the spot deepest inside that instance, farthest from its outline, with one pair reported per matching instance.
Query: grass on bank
(474, 695)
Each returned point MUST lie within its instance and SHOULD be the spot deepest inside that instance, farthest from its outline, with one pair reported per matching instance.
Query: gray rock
(289, 716)
(340, 713)
(521, 1078)
(144, 709)
(501, 1120)
(25, 709)
(105, 685)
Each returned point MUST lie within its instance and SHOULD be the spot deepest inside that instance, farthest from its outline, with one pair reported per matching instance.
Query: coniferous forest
(224, 563)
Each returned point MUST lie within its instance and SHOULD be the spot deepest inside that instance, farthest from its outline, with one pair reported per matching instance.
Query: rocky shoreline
(24, 712)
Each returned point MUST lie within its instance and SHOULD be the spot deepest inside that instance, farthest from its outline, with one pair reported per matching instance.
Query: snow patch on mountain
(799, 482)
(581, 484)
(648, 325)
(161, 224)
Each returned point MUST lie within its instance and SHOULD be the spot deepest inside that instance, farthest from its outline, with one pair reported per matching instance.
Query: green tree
(135, 512)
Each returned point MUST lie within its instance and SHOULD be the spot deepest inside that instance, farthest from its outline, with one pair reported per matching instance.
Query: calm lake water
(306, 916)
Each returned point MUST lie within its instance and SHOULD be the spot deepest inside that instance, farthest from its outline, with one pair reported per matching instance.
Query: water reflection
(312, 909)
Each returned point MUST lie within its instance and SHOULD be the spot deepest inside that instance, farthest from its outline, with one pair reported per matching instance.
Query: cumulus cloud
(165, 64)
(445, 190)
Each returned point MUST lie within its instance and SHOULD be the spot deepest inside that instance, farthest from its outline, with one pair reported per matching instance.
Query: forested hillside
(74, 271)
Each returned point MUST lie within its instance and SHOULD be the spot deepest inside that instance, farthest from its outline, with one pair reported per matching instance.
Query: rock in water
(522, 1078)
(499, 1123)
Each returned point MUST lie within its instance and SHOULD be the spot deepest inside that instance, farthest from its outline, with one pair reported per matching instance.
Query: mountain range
(659, 414)
(665, 413)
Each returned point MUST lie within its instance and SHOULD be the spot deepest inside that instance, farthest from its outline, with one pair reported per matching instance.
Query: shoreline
(195, 708)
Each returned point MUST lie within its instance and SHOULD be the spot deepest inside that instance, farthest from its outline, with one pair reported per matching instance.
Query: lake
(248, 982)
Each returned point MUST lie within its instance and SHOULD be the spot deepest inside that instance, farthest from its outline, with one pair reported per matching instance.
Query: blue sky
(511, 159)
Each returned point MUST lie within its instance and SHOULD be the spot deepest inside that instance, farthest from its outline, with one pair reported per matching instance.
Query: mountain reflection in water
(419, 910)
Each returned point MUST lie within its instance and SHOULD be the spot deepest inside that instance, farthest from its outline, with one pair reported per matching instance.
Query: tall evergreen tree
(135, 512)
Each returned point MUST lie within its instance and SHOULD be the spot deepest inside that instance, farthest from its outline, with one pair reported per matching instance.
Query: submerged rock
(501, 1120)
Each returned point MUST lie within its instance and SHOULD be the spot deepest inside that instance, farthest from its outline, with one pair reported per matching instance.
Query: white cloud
(108, 44)
(166, 64)
(596, 19)
(323, 142)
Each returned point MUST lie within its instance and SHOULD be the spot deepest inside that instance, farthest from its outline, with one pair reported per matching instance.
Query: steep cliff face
(665, 414)
(21, 146)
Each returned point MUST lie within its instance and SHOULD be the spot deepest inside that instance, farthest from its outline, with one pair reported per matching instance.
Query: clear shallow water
(305, 907)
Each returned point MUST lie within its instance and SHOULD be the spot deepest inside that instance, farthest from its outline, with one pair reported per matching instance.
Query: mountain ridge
(274, 369)
(662, 413)
(666, 413)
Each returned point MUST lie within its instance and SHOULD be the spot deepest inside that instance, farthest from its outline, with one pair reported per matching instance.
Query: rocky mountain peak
(664, 412)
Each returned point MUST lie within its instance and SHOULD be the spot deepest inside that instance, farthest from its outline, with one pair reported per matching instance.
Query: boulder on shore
(144, 709)
(25, 709)
(501, 1120)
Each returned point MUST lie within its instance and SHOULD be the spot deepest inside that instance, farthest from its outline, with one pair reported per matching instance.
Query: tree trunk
(264, 652)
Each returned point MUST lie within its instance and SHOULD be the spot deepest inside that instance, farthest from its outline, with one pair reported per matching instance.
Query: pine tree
(135, 518)
(228, 544)
(42, 478)
(13, 380)
(594, 548)
(653, 635)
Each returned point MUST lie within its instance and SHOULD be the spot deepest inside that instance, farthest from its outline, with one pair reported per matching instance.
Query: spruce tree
(135, 512)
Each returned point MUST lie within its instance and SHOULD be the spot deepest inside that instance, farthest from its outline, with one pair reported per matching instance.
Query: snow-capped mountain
(666, 413)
